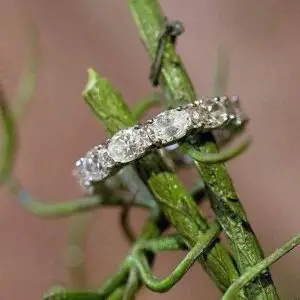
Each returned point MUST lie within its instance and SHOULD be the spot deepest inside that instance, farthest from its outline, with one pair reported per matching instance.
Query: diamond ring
(165, 129)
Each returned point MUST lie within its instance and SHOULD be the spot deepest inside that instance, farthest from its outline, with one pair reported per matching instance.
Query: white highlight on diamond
(169, 126)
(128, 144)
(81, 173)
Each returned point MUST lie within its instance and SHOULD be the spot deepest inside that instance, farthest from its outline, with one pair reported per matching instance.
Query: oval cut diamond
(216, 112)
(169, 126)
(241, 118)
(197, 114)
(96, 165)
(128, 144)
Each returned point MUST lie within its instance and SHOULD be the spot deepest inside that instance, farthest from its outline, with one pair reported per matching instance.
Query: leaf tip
(93, 79)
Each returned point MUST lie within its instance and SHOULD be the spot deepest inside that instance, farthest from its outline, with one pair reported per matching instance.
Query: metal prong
(158, 144)
(79, 162)
(107, 142)
(149, 122)
(223, 99)
(235, 99)
(138, 126)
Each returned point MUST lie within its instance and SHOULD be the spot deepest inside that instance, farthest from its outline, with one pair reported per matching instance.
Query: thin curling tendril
(216, 158)
(165, 284)
(26, 87)
(62, 209)
(233, 290)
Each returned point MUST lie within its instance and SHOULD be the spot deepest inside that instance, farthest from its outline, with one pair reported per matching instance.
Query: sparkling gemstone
(237, 118)
(197, 114)
(169, 126)
(230, 107)
(240, 117)
(94, 166)
(81, 173)
(217, 114)
(82, 176)
(128, 144)
(98, 163)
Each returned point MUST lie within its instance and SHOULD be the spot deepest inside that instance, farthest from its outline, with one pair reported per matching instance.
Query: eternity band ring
(167, 128)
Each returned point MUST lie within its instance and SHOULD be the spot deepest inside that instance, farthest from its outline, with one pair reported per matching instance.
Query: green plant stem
(152, 229)
(163, 285)
(260, 267)
(116, 280)
(132, 285)
(178, 89)
(124, 222)
(164, 243)
(216, 158)
(8, 139)
(63, 209)
(176, 203)
(117, 294)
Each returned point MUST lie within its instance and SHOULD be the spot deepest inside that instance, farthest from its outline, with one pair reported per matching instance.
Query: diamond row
(166, 128)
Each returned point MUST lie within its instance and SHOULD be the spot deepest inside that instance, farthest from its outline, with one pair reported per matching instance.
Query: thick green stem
(178, 89)
(176, 203)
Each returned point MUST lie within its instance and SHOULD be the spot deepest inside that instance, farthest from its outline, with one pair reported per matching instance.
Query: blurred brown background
(262, 38)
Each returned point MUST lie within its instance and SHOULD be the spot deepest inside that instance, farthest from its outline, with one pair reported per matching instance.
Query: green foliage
(243, 274)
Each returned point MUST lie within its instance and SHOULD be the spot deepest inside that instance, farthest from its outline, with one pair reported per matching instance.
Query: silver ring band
(165, 129)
